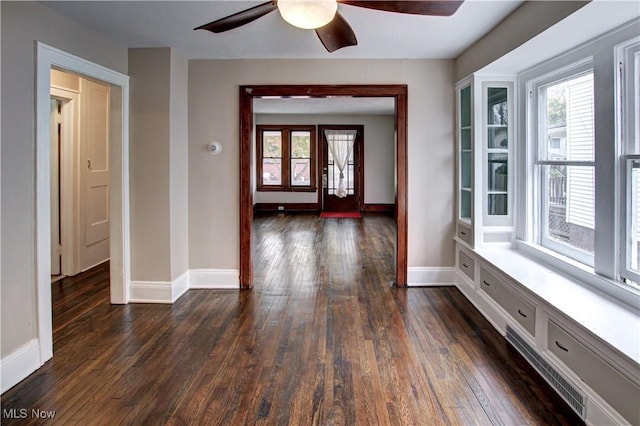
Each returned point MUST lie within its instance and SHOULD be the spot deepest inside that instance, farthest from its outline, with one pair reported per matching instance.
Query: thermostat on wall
(215, 148)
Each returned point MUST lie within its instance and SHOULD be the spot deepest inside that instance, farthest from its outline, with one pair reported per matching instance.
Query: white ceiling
(380, 34)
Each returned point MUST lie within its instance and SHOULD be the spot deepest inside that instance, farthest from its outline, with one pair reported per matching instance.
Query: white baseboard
(170, 291)
(17, 366)
(431, 276)
(158, 291)
(214, 278)
(150, 292)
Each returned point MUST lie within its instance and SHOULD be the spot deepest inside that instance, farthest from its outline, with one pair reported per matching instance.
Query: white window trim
(627, 58)
(534, 130)
(605, 276)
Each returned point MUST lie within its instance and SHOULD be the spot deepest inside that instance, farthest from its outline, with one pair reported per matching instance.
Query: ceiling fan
(322, 15)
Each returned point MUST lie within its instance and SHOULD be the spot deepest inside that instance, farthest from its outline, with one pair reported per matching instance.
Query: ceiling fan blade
(414, 7)
(337, 34)
(238, 19)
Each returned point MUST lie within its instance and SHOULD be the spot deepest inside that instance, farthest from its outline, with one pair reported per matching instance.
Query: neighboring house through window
(628, 107)
(565, 163)
(581, 185)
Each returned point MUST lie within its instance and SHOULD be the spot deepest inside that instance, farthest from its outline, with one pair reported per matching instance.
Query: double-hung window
(286, 158)
(628, 123)
(564, 164)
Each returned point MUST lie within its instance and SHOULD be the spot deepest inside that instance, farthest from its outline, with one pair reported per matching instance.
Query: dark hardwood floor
(322, 339)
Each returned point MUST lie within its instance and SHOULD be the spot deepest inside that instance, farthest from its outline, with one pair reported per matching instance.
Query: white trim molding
(429, 276)
(170, 291)
(20, 364)
(215, 279)
(159, 291)
(48, 57)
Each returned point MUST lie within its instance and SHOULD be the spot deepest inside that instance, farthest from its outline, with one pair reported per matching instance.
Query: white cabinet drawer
(519, 309)
(464, 233)
(617, 390)
(466, 264)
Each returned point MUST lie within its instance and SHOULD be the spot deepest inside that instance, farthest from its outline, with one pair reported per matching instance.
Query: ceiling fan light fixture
(308, 14)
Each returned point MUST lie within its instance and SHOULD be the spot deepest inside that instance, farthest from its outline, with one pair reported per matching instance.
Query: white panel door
(95, 149)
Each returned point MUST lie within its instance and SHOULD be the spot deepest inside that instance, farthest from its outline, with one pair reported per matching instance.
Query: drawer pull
(522, 313)
(463, 233)
(561, 347)
(465, 265)
(485, 283)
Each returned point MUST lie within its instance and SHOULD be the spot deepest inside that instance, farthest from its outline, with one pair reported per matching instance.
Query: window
(628, 121)
(579, 192)
(286, 158)
(565, 164)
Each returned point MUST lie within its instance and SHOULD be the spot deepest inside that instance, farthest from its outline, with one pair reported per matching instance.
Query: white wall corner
(158, 291)
(214, 278)
(18, 365)
(431, 276)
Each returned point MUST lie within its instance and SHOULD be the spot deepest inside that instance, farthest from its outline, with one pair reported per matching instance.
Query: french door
(342, 189)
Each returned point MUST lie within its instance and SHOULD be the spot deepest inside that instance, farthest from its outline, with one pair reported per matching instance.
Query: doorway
(342, 160)
(247, 96)
(80, 173)
(49, 58)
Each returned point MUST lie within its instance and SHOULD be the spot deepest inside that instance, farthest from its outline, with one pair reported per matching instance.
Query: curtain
(340, 144)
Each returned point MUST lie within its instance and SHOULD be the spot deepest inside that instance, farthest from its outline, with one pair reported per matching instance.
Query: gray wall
(22, 24)
(158, 164)
(179, 152)
(379, 151)
(213, 115)
(150, 145)
(527, 21)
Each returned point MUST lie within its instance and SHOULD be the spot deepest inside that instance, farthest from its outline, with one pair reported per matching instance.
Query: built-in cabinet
(574, 354)
(485, 134)
(598, 381)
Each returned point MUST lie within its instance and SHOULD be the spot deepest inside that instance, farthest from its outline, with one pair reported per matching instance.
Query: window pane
(272, 144)
(497, 106)
(465, 107)
(465, 135)
(497, 172)
(300, 144)
(569, 207)
(497, 205)
(301, 172)
(465, 205)
(497, 137)
(568, 120)
(634, 210)
(350, 184)
(465, 170)
(271, 171)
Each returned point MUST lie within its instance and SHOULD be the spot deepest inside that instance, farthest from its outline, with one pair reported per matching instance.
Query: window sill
(583, 273)
(610, 320)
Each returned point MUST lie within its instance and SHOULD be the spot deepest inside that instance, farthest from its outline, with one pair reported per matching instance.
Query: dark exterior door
(352, 174)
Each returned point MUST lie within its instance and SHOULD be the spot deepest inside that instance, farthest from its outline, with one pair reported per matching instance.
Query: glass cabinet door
(497, 151)
(466, 155)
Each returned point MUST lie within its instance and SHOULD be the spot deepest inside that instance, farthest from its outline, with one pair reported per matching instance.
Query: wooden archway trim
(248, 93)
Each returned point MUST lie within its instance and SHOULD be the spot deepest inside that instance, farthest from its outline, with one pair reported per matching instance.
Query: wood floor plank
(323, 338)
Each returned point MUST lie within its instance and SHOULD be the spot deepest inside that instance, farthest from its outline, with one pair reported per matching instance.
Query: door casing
(247, 93)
